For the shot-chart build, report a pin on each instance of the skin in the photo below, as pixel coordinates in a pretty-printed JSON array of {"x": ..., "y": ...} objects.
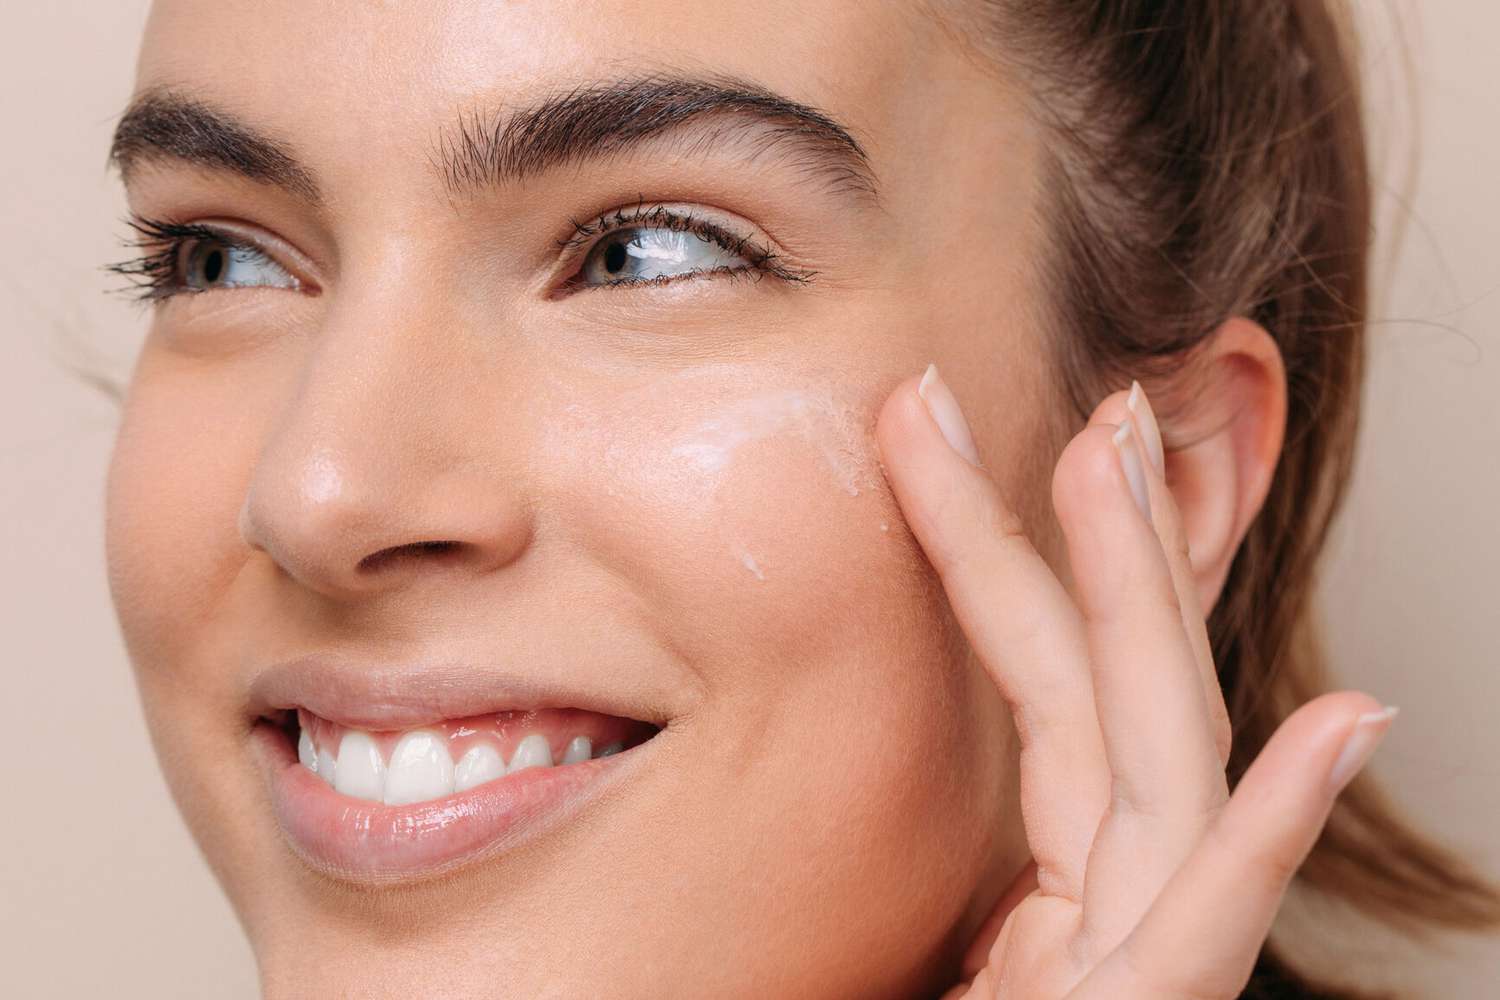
[{"x": 738, "y": 491}]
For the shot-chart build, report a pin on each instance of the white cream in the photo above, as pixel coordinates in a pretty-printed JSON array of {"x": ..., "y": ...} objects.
[
  {"x": 748, "y": 561},
  {"x": 711, "y": 444}
]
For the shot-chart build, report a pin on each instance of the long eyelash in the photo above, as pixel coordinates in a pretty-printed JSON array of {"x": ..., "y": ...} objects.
[
  {"x": 762, "y": 260},
  {"x": 153, "y": 275}
]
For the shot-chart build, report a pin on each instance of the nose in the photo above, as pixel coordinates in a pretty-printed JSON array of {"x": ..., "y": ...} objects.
[{"x": 392, "y": 461}]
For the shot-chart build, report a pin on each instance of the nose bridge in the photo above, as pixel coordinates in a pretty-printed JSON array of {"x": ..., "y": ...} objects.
[{"x": 383, "y": 466}]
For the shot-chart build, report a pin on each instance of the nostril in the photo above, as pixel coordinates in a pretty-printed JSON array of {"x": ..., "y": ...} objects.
[{"x": 379, "y": 560}]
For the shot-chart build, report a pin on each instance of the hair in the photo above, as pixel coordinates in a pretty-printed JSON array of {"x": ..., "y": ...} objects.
[{"x": 1206, "y": 161}]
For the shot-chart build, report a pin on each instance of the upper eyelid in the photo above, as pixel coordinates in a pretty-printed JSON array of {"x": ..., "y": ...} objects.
[
  {"x": 273, "y": 248},
  {"x": 657, "y": 216}
]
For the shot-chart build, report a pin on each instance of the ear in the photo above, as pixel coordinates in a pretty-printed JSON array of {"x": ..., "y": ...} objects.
[{"x": 1223, "y": 440}]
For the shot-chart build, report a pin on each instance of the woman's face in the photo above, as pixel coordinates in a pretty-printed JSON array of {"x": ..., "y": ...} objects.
[{"x": 417, "y": 451}]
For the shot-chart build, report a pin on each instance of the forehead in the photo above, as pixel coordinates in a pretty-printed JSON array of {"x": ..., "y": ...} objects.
[{"x": 379, "y": 72}]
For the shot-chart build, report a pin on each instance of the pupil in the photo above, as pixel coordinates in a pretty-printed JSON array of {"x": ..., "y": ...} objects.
[
  {"x": 213, "y": 266},
  {"x": 614, "y": 257}
]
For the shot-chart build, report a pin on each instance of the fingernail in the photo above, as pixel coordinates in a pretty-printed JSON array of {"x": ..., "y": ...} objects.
[
  {"x": 946, "y": 414},
  {"x": 1129, "y": 448},
  {"x": 1147, "y": 427},
  {"x": 1368, "y": 731}
]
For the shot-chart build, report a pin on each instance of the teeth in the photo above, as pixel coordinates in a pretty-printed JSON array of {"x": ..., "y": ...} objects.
[
  {"x": 533, "y": 751},
  {"x": 579, "y": 750},
  {"x": 420, "y": 769},
  {"x": 306, "y": 752},
  {"x": 361, "y": 772},
  {"x": 325, "y": 766},
  {"x": 481, "y": 764}
]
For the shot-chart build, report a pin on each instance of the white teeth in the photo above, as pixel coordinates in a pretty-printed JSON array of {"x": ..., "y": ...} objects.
[
  {"x": 361, "y": 771},
  {"x": 579, "y": 750},
  {"x": 325, "y": 766},
  {"x": 481, "y": 764},
  {"x": 533, "y": 751},
  {"x": 306, "y": 752},
  {"x": 420, "y": 769}
]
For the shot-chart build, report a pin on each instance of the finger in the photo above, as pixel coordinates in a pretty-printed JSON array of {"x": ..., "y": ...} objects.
[
  {"x": 1167, "y": 776},
  {"x": 1167, "y": 520},
  {"x": 1017, "y": 617},
  {"x": 1202, "y": 935},
  {"x": 1146, "y": 684},
  {"x": 978, "y": 955}
]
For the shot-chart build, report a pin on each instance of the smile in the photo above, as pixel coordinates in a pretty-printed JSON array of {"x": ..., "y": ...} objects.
[
  {"x": 373, "y": 788},
  {"x": 434, "y": 762}
]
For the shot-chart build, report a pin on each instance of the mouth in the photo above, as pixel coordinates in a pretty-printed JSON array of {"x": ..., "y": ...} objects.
[
  {"x": 380, "y": 804},
  {"x": 453, "y": 756}
]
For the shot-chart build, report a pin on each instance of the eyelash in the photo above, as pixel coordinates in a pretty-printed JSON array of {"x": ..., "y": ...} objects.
[
  {"x": 763, "y": 262},
  {"x": 153, "y": 275}
]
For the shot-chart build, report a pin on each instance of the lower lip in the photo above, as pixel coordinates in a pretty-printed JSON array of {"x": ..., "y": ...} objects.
[{"x": 357, "y": 840}]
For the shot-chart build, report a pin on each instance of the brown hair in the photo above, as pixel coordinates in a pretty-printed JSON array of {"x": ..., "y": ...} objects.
[{"x": 1209, "y": 161}]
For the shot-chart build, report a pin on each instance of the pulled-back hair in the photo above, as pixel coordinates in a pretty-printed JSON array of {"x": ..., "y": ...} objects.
[{"x": 1207, "y": 159}]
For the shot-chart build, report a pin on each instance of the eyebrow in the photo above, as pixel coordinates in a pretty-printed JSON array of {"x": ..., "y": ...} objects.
[
  {"x": 163, "y": 124},
  {"x": 603, "y": 119},
  {"x": 586, "y": 123}
]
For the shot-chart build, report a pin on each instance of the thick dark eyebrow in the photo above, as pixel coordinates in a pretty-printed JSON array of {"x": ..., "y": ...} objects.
[
  {"x": 162, "y": 124},
  {"x": 584, "y": 123},
  {"x": 603, "y": 119}
]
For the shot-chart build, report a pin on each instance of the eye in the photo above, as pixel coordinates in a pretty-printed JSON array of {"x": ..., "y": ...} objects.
[
  {"x": 654, "y": 253},
  {"x": 205, "y": 264},
  {"x": 178, "y": 257}
]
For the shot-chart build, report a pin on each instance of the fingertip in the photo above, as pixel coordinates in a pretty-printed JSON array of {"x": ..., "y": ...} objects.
[
  {"x": 902, "y": 418},
  {"x": 1330, "y": 715},
  {"x": 1113, "y": 409},
  {"x": 1088, "y": 475}
]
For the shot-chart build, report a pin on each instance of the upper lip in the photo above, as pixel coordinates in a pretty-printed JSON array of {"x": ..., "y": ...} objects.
[{"x": 391, "y": 695}]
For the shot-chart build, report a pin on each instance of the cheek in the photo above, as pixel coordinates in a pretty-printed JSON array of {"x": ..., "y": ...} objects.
[
  {"x": 842, "y": 726},
  {"x": 762, "y": 515},
  {"x": 177, "y": 476},
  {"x": 176, "y": 482}
]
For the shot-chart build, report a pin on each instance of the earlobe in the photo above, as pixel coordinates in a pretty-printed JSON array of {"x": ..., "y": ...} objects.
[{"x": 1224, "y": 438}]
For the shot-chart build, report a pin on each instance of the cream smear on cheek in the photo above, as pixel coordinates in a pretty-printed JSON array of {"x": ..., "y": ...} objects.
[
  {"x": 709, "y": 432},
  {"x": 816, "y": 419}
]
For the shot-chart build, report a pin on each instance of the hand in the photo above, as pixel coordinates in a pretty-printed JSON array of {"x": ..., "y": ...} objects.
[{"x": 1149, "y": 880}]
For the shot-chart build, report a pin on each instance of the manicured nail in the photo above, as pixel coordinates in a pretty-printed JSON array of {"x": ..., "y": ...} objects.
[
  {"x": 1147, "y": 427},
  {"x": 1368, "y": 731},
  {"x": 1128, "y": 445},
  {"x": 946, "y": 414}
]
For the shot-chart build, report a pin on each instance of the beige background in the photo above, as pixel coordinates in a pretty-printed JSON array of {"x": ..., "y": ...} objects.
[{"x": 101, "y": 891}]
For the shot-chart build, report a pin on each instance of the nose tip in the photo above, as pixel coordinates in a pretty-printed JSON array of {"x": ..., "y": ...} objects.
[{"x": 345, "y": 531}]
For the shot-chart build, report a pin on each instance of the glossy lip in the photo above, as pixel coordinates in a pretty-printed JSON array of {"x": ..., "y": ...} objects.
[
  {"x": 369, "y": 842},
  {"x": 360, "y": 841},
  {"x": 387, "y": 696}
]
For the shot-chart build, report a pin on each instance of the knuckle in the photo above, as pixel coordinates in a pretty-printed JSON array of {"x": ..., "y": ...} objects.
[
  {"x": 1268, "y": 866},
  {"x": 1223, "y": 730},
  {"x": 998, "y": 521},
  {"x": 1166, "y": 978},
  {"x": 1197, "y": 813}
]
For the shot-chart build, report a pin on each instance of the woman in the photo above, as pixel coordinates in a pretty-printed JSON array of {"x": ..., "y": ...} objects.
[{"x": 552, "y": 566}]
